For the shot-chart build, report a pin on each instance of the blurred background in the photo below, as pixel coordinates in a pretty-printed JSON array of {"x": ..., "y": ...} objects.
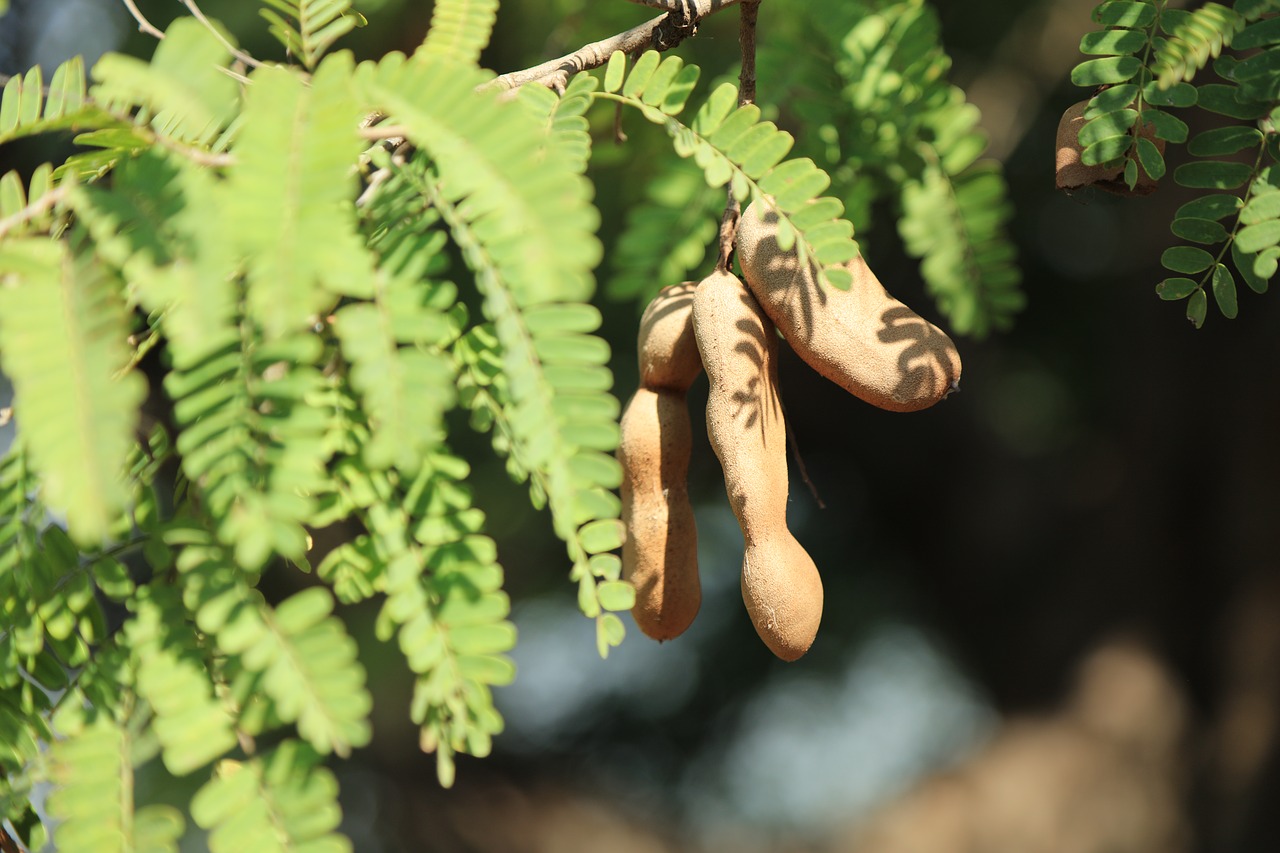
[{"x": 1052, "y": 616}]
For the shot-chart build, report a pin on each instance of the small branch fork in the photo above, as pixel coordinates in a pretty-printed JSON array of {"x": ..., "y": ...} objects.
[
  {"x": 664, "y": 32},
  {"x": 144, "y": 25},
  {"x": 150, "y": 29}
]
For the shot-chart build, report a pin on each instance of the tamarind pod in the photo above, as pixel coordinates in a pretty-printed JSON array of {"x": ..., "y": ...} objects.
[
  {"x": 780, "y": 584},
  {"x": 862, "y": 338},
  {"x": 668, "y": 353},
  {"x": 660, "y": 553},
  {"x": 1071, "y": 172}
]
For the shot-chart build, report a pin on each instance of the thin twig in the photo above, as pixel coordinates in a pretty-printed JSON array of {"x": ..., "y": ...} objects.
[
  {"x": 144, "y": 25},
  {"x": 37, "y": 208},
  {"x": 746, "y": 95},
  {"x": 661, "y": 33},
  {"x": 236, "y": 52},
  {"x": 796, "y": 455},
  {"x": 383, "y": 131}
]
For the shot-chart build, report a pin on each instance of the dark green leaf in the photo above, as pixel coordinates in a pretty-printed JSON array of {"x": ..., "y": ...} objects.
[
  {"x": 1221, "y": 98},
  {"x": 1125, "y": 13},
  {"x": 1166, "y": 126},
  {"x": 1205, "y": 231},
  {"x": 1173, "y": 289},
  {"x": 1224, "y": 140},
  {"x": 1107, "y": 126},
  {"x": 1186, "y": 259},
  {"x": 1113, "y": 69},
  {"x": 1263, "y": 64},
  {"x": 1257, "y": 34},
  {"x": 1111, "y": 99},
  {"x": 1197, "y": 307},
  {"x": 1152, "y": 160},
  {"x": 1213, "y": 206},
  {"x": 1177, "y": 95},
  {"x": 1113, "y": 42},
  {"x": 1224, "y": 292},
  {"x": 1212, "y": 174},
  {"x": 1106, "y": 150},
  {"x": 1131, "y": 173}
]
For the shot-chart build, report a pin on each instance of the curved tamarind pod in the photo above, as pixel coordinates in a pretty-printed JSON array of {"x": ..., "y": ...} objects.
[
  {"x": 780, "y": 584},
  {"x": 1071, "y": 172},
  {"x": 660, "y": 554},
  {"x": 862, "y": 338}
]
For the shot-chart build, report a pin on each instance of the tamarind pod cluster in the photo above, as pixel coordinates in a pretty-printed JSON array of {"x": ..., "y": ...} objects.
[
  {"x": 1072, "y": 173},
  {"x": 660, "y": 553},
  {"x": 862, "y": 338},
  {"x": 780, "y": 584}
]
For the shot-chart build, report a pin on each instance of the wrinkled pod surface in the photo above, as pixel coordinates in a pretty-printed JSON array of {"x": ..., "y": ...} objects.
[
  {"x": 660, "y": 553},
  {"x": 780, "y": 584},
  {"x": 862, "y": 339}
]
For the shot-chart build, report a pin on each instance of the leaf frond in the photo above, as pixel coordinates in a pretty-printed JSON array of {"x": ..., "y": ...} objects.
[
  {"x": 285, "y": 800},
  {"x": 62, "y": 341},
  {"x": 460, "y": 29}
]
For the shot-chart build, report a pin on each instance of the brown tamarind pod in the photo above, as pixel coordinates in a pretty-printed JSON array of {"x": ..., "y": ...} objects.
[
  {"x": 660, "y": 553},
  {"x": 780, "y": 584},
  {"x": 862, "y": 338},
  {"x": 1071, "y": 172},
  {"x": 668, "y": 353}
]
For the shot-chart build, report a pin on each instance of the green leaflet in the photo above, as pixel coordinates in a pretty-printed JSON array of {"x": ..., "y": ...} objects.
[
  {"x": 62, "y": 332},
  {"x": 308, "y": 28},
  {"x": 405, "y": 379},
  {"x": 94, "y": 796},
  {"x": 184, "y": 87},
  {"x": 253, "y": 441},
  {"x": 288, "y": 198},
  {"x": 25, "y": 109},
  {"x": 1194, "y": 38},
  {"x": 281, "y": 802},
  {"x": 172, "y": 677},
  {"x": 956, "y": 225},
  {"x": 460, "y": 29},
  {"x": 733, "y": 146},
  {"x": 305, "y": 657},
  {"x": 521, "y": 215},
  {"x": 1243, "y": 223},
  {"x": 28, "y": 207},
  {"x": 897, "y": 129}
]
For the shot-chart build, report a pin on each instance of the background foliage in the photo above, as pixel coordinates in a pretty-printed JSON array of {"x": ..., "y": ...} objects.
[{"x": 417, "y": 311}]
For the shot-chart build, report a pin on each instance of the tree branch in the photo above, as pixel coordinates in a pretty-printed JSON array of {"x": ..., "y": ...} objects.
[
  {"x": 144, "y": 25},
  {"x": 661, "y": 33},
  {"x": 35, "y": 209},
  {"x": 236, "y": 52},
  {"x": 696, "y": 9}
]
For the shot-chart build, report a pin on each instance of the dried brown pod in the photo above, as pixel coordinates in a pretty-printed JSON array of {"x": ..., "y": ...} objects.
[
  {"x": 660, "y": 554},
  {"x": 862, "y": 338},
  {"x": 780, "y": 584}
]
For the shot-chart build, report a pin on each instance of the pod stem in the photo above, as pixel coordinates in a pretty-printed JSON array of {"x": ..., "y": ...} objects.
[
  {"x": 746, "y": 95},
  {"x": 797, "y": 456}
]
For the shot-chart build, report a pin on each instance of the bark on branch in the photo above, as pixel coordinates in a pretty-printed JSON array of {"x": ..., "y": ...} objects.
[{"x": 660, "y": 33}]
